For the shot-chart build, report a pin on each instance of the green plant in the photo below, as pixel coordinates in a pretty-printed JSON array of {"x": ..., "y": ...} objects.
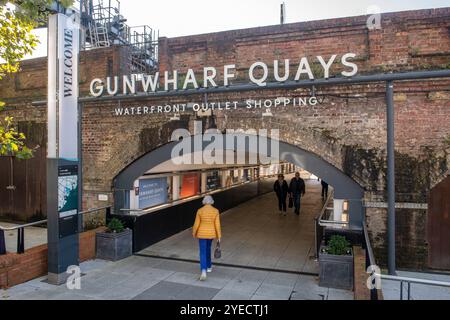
[
  {"x": 338, "y": 245},
  {"x": 115, "y": 226},
  {"x": 12, "y": 142}
]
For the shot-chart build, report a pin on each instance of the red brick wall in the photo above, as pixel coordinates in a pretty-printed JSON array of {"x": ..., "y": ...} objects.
[{"x": 87, "y": 244}]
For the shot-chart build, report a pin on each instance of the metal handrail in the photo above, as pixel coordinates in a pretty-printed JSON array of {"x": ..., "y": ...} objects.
[
  {"x": 30, "y": 224},
  {"x": 319, "y": 216},
  {"x": 409, "y": 281},
  {"x": 21, "y": 230},
  {"x": 328, "y": 222},
  {"x": 323, "y": 222},
  {"x": 370, "y": 255},
  {"x": 317, "y": 226},
  {"x": 414, "y": 280},
  {"x": 370, "y": 259}
]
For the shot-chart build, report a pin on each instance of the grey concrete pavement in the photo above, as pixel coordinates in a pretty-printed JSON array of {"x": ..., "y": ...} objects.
[
  {"x": 255, "y": 234},
  {"x": 144, "y": 278}
]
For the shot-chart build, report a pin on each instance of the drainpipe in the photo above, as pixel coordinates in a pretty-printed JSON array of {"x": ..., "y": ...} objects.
[{"x": 390, "y": 176}]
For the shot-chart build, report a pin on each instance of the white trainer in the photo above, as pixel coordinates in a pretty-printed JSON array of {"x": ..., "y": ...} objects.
[
  {"x": 209, "y": 270},
  {"x": 203, "y": 276}
]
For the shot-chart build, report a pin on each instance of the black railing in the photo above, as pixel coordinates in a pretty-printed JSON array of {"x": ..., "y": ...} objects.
[
  {"x": 21, "y": 229},
  {"x": 318, "y": 228},
  {"x": 410, "y": 281},
  {"x": 370, "y": 261}
]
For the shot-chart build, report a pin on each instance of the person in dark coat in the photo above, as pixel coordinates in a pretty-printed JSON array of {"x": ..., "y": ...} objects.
[
  {"x": 281, "y": 189},
  {"x": 296, "y": 191},
  {"x": 324, "y": 189}
]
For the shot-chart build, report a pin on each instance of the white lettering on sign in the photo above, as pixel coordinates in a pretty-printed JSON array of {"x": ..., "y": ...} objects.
[
  {"x": 258, "y": 73},
  {"x": 142, "y": 110}
]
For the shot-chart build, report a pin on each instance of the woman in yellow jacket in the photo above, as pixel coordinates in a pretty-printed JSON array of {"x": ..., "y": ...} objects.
[{"x": 205, "y": 229}]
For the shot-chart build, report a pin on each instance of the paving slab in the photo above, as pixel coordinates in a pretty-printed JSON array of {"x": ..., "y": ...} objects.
[
  {"x": 197, "y": 293},
  {"x": 228, "y": 294},
  {"x": 274, "y": 291}
]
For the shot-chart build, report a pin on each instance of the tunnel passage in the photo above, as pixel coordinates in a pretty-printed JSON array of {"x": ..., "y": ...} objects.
[{"x": 156, "y": 226}]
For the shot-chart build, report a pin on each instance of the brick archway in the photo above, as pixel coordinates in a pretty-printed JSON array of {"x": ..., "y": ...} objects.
[{"x": 345, "y": 187}]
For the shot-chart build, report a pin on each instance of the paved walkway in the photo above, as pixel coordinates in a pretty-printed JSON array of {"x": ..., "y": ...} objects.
[
  {"x": 255, "y": 234},
  {"x": 144, "y": 278}
]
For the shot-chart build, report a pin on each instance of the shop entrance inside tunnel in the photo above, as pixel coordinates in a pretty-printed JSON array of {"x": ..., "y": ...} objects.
[{"x": 159, "y": 199}]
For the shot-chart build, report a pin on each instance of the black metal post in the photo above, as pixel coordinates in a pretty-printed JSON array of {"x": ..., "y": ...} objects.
[
  {"x": 2, "y": 242},
  {"x": 20, "y": 240},
  {"x": 401, "y": 290},
  {"x": 390, "y": 176},
  {"x": 108, "y": 216},
  {"x": 409, "y": 290}
]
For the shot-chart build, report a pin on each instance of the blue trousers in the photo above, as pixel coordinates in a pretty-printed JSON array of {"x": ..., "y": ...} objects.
[
  {"x": 205, "y": 253},
  {"x": 297, "y": 203}
]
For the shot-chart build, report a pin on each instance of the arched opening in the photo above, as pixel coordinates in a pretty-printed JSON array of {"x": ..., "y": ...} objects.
[
  {"x": 345, "y": 187},
  {"x": 152, "y": 227}
]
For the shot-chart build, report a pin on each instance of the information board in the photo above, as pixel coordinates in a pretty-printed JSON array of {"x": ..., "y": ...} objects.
[{"x": 152, "y": 192}]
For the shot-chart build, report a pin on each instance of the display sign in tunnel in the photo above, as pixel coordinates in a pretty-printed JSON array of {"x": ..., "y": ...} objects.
[{"x": 152, "y": 192}]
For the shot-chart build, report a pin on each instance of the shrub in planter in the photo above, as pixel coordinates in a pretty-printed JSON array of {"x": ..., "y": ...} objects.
[
  {"x": 115, "y": 226},
  {"x": 114, "y": 244},
  {"x": 336, "y": 264}
]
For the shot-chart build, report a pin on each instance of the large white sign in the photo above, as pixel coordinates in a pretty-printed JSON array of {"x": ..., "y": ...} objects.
[
  {"x": 68, "y": 49},
  {"x": 63, "y": 87}
]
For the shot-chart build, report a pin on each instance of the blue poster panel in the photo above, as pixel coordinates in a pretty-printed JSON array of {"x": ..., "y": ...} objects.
[
  {"x": 67, "y": 190},
  {"x": 152, "y": 192}
]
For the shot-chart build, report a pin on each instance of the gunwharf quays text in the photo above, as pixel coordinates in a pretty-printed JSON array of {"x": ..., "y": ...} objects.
[{"x": 258, "y": 73}]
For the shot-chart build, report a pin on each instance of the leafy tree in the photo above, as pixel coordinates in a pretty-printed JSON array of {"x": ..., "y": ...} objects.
[
  {"x": 17, "y": 19},
  {"x": 12, "y": 142}
]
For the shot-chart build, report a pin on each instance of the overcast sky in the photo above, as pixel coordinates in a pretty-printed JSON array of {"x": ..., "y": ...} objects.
[{"x": 186, "y": 17}]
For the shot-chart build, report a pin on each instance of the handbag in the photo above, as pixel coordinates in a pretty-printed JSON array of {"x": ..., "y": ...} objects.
[
  {"x": 217, "y": 251},
  {"x": 291, "y": 202}
]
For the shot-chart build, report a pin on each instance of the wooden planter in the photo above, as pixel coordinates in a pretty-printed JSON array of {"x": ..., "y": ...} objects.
[
  {"x": 335, "y": 271},
  {"x": 114, "y": 246}
]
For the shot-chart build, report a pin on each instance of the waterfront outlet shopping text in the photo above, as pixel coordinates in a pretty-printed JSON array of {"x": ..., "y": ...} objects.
[{"x": 220, "y": 106}]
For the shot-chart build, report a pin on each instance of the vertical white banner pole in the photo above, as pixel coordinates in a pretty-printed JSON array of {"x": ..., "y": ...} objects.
[{"x": 62, "y": 153}]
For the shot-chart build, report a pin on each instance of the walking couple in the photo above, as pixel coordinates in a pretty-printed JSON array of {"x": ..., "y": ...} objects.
[{"x": 295, "y": 190}]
